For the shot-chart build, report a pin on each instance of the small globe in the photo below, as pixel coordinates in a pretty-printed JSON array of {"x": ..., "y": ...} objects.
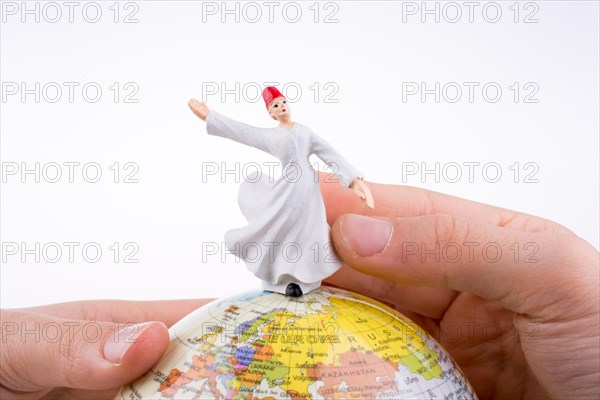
[{"x": 327, "y": 344}]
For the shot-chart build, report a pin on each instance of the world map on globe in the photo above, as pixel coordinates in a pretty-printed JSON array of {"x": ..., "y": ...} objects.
[{"x": 326, "y": 344}]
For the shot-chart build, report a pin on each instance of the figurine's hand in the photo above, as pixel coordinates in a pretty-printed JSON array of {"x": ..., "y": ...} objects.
[
  {"x": 514, "y": 298},
  {"x": 83, "y": 350},
  {"x": 199, "y": 108},
  {"x": 360, "y": 188}
]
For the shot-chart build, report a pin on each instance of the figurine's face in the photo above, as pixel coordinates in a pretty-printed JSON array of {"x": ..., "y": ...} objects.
[{"x": 279, "y": 109}]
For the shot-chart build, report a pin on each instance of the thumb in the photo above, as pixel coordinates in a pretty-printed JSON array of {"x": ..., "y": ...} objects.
[
  {"x": 443, "y": 251},
  {"x": 40, "y": 352}
]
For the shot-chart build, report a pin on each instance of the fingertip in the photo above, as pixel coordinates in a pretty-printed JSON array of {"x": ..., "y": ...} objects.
[
  {"x": 338, "y": 239},
  {"x": 143, "y": 345},
  {"x": 364, "y": 236},
  {"x": 148, "y": 346}
]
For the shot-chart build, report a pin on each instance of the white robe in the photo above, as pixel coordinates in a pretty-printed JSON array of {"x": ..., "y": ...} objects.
[{"x": 287, "y": 238}]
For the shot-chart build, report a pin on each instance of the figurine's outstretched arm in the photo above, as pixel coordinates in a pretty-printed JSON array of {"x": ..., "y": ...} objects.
[
  {"x": 220, "y": 125},
  {"x": 199, "y": 108}
]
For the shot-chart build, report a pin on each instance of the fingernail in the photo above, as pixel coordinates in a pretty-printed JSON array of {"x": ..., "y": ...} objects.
[
  {"x": 121, "y": 341},
  {"x": 364, "y": 235}
]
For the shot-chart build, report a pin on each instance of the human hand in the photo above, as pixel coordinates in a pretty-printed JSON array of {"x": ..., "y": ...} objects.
[
  {"x": 360, "y": 189},
  {"x": 83, "y": 350},
  {"x": 199, "y": 108},
  {"x": 520, "y": 318}
]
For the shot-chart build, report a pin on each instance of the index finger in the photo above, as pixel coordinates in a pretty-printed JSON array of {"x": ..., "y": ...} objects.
[
  {"x": 122, "y": 311},
  {"x": 408, "y": 201}
]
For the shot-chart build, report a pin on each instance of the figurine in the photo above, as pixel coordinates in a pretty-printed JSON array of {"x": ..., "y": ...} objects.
[{"x": 287, "y": 240}]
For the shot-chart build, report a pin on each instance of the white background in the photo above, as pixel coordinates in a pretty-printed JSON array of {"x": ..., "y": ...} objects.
[{"x": 174, "y": 50}]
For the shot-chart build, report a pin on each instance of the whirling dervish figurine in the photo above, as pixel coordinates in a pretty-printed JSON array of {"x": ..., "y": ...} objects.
[{"x": 287, "y": 240}]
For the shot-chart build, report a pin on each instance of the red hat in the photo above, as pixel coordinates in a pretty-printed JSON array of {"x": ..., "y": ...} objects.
[{"x": 271, "y": 93}]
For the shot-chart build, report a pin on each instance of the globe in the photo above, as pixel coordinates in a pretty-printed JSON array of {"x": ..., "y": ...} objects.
[{"x": 326, "y": 344}]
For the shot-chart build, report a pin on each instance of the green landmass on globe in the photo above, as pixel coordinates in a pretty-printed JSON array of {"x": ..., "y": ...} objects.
[{"x": 326, "y": 344}]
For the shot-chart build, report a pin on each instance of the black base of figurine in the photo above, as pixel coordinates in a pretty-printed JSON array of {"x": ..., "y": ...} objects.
[{"x": 293, "y": 290}]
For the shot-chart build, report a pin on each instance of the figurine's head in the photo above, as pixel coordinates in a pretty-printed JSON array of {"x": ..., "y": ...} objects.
[{"x": 277, "y": 105}]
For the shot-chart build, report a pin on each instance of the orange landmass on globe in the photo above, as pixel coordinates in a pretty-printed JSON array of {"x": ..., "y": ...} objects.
[
  {"x": 355, "y": 376},
  {"x": 199, "y": 370},
  {"x": 263, "y": 352},
  {"x": 173, "y": 382}
]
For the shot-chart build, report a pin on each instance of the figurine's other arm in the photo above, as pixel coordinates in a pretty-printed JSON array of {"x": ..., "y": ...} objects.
[{"x": 346, "y": 173}]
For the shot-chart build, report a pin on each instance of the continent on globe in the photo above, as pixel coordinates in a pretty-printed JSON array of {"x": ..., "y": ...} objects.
[{"x": 326, "y": 344}]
